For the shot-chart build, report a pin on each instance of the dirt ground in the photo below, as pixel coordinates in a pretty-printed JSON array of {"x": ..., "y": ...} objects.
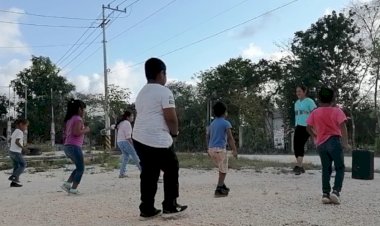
[{"x": 270, "y": 197}]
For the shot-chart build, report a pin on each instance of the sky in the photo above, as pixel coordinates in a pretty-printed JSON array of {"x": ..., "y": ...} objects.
[{"x": 190, "y": 36}]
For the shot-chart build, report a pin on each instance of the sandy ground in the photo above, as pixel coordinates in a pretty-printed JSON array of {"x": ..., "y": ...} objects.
[
  {"x": 256, "y": 198},
  {"x": 313, "y": 159}
]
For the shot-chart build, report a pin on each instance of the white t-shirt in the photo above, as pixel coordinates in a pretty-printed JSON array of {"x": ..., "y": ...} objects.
[
  {"x": 124, "y": 131},
  {"x": 17, "y": 134},
  {"x": 150, "y": 126}
]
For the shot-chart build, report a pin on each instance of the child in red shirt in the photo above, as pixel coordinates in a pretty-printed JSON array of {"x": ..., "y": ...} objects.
[{"x": 327, "y": 126}]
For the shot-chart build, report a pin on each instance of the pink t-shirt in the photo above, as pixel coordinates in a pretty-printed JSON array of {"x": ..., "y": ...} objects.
[
  {"x": 70, "y": 138},
  {"x": 326, "y": 122}
]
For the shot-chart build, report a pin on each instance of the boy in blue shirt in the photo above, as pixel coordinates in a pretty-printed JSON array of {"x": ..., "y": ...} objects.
[{"x": 219, "y": 132}]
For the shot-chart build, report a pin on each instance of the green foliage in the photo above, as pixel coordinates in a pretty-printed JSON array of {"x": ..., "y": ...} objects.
[
  {"x": 45, "y": 87},
  {"x": 3, "y": 105}
]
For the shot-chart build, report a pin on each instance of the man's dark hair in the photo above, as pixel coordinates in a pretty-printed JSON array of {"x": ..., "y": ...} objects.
[
  {"x": 21, "y": 121},
  {"x": 219, "y": 109},
  {"x": 326, "y": 95},
  {"x": 153, "y": 67}
]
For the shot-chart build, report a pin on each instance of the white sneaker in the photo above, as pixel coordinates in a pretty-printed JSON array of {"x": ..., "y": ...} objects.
[
  {"x": 335, "y": 197},
  {"x": 74, "y": 191},
  {"x": 66, "y": 186}
]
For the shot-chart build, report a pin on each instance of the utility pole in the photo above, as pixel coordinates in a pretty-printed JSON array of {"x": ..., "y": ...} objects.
[
  {"x": 26, "y": 115},
  {"x": 9, "y": 126},
  {"x": 52, "y": 130},
  {"x": 106, "y": 104}
]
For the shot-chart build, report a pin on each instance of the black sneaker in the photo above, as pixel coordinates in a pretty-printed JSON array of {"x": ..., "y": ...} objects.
[
  {"x": 295, "y": 169},
  {"x": 302, "y": 170},
  {"x": 175, "y": 211},
  {"x": 298, "y": 170},
  {"x": 15, "y": 185},
  {"x": 326, "y": 198},
  {"x": 335, "y": 197},
  {"x": 13, "y": 179},
  {"x": 221, "y": 192},
  {"x": 150, "y": 215},
  {"x": 225, "y": 187}
]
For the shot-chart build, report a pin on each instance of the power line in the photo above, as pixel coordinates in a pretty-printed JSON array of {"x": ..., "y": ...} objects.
[
  {"x": 69, "y": 51},
  {"x": 44, "y": 25},
  {"x": 223, "y": 31},
  {"x": 143, "y": 20},
  {"x": 41, "y": 46},
  {"x": 92, "y": 42},
  {"x": 193, "y": 26},
  {"x": 84, "y": 60},
  {"x": 45, "y": 16},
  {"x": 89, "y": 56}
]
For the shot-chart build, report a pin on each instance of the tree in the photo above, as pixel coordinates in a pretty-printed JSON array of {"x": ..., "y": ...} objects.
[
  {"x": 191, "y": 112},
  {"x": 240, "y": 84},
  {"x": 45, "y": 88},
  {"x": 3, "y": 106},
  {"x": 329, "y": 53},
  {"x": 118, "y": 102}
]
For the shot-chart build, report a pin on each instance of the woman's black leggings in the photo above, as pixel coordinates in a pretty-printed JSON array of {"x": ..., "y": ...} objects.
[{"x": 300, "y": 138}]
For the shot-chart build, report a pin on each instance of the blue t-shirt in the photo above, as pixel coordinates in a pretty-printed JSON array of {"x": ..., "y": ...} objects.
[
  {"x": 218, "y": 133},
  {"x": 302, "y": 110}
]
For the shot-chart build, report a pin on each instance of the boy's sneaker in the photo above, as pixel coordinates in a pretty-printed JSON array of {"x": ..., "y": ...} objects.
[
  {"x": 147, "y": 216},
  {"x": 74, "y": 191},
  {"x": 302, "y": 170},
  {"x": 174, "y": 211},
  {"x": 335, "y": 197},
  {"x": 15, "y": 185},
  {"x": 326, "y": 198},
  {"x": 221, "y": 192},
  {"x": 66, "y": 186},
  {"x": 13, "y": 179},
  {"x": 123, "y": 176},
  {"x": 295, "y": 168}
]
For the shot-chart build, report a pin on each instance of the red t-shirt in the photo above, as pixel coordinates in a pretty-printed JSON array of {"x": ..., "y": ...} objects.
[{"x": 326, "y": 121}]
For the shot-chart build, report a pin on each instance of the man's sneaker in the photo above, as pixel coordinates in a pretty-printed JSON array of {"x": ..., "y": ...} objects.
[
  {"x": 295, "y": 169},
  {"x": 15, "y": 185},
  {"x": 326, "y": 198},
  {"x": 175, "y": 211},
  {"x": 225, "y": 187},
  {"x": 302, "y": 170},
  {"x": 221, "y": 192},
  {"x": 13, "y": 179},
  {"x": 335, "y": 197},
  {"x": 147, "y": 216},
  {"x": 298, "y": 170},
  {"x": 74, "y": 191},
  {"x": 123, "y": 176},
  {"x": 66, "y": 186}
]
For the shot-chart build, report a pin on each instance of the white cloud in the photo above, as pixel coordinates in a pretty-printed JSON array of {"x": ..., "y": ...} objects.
[
  {"x": 252, "y": 51},
  {"x": 276, "y": 56},
  {"x": 11, "y": 34},
  {"x": 328, "y": 11},
  {"x": 8, "y": 72},
  {"x": 121, "y": 74}
]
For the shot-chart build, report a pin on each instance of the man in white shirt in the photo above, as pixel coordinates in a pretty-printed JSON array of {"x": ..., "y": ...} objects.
[{"x": 155, "y": 126}]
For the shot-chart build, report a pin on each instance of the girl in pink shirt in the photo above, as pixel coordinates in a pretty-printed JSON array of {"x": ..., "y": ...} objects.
[
  {"x": 327, "y": 126},
  {"x": 74, "y": 131}
]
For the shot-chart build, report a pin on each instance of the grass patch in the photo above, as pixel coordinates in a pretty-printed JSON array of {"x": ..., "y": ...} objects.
[{"x": 202, "y": 161}]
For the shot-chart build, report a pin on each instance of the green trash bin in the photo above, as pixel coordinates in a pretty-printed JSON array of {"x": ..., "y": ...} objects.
[{"x": 363, "y": 164}]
